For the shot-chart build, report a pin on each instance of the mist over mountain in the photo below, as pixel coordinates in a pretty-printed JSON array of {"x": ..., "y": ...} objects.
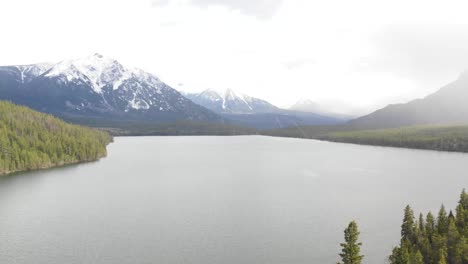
[
  {"x": 306, "y": 105},
  {"x": 446, "y": 106},
  {"x": 257, "y": 113},
  {"x": 309, "y": 106},
  {"x": 99, "y": 91},
  {"x": 97, "y": 87}
]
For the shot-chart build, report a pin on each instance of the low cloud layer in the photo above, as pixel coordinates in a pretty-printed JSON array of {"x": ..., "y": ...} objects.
[
  {"x": 258, "y": 8},
  {"x": 423, "y": 52}
]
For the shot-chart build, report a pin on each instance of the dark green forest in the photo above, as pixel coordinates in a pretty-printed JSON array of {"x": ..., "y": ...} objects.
[
  {"x": 128, "y": 127},
  {"x": 434, "y": 239},
  {"x": 31, "y": 140},
  {"x": 180, "y": 128},
  {"x": 444, "y": 138},
  {"x": 432, "y": 137}
]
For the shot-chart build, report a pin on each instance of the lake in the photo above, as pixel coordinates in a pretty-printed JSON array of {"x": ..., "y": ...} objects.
[{"x": 229, "y": 200}]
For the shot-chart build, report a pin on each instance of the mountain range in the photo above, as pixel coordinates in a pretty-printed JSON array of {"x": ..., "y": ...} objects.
[
  {"x": 309, "y": 106},
  {"x": 99, "y": 91},
  {"x": 306, "y": 105},
  {"x": 97, "y": 87},
  {"x": 230, "y": 102},
  {"x": 253, "y": 112}
]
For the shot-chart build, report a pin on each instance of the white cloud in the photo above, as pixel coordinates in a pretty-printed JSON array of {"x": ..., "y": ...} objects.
[
  {"x": 422, "y": 51},
  {"x": 359, "y": 54},
  {"x": 259, "y": 8}
]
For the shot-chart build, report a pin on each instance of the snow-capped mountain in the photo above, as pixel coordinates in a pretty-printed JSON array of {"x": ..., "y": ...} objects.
[
  {"x": 21, "y": 74},
  {"x": 97, "y": 86},
  {"x": 306, "y": 105},
  {"x": 230, "y": 102},
  {"x": 252, "y": 112},
  {"x": 309, "y": 106},
  {"x": 100, "y": 91},
  {"x": 29, "y": 72}
]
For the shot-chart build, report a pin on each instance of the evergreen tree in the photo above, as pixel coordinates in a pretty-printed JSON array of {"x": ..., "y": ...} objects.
[
  {"x": 405, "y": 255},
  {"x": 453, "y": 246},
  {"x": 422, "y": 225},
  {"x": 460, "y": 216},
  {"x": 408, "y": 226},
  {"x": 417, "y": 258},
  {"x": 442, "y": 256},
  {"x": 351, "y": 248},
  {"x": 462, "y": 213},
  {"x": 430, "y": 225},
  {"x": 451, "y": 216},
  {"x": 442, "y": 221},
  {"x": 464, "y": 199},
  {"x": 397, "y": 256}
]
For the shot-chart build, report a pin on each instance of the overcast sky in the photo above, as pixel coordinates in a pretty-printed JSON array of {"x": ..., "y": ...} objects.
[{"x": 348, "y": 55}]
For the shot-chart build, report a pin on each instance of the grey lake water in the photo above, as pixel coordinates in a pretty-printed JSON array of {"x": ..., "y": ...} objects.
[{"x": 221, "y": 200}]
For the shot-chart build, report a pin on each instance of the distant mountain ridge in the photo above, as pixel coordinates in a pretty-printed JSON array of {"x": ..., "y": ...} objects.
[
  {"x": 305, "y": 105},
  {"x": 309, "y": 106},
  {"x": 99, "y": 91},
  {"x": 98, "y": 87},
  {"x": 256, "y": 113},
  {"x": 449, "y": 105},
  {"x": 230, "y": 102}
]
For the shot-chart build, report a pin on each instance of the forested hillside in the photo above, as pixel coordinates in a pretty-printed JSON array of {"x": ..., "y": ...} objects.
[
  {"x": 441, "y": 239},
  {"x": 31, "y": 140},
  {"x": 444, "y": 138},
  {"x": 181, "y": 128}
]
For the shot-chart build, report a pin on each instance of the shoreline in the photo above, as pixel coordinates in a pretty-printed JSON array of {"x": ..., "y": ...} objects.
[{"x": 51, "y": 166}]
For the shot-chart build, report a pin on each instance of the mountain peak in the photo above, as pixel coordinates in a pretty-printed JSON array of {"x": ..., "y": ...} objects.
[
  {"x": 98, "y": 55},
  {"x": 29, "y": 72},
  {"x": 303, "y": 101},
  {"x": 446, "y": 106},
  {"x": 463, "y": 75},
  {"x": 210, "y": 94},
  {"x": 229, "y": 91},
  {"x": 96, "y": 69},
  {"x": 306, "y": 105},
  {"x": 100, "y": 86},
  {"x": 230, "y": 102},
  {"x": 230, "y": 94}
]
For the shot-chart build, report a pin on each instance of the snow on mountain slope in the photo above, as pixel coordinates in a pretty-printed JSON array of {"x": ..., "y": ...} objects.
[
  {"x": 29, "y": 72},
  {"x": 25, "y": 73},
  {"x": 252, "y": 112},
  {"x": 309, "y": 106},
  {"x": 230, "y": 102},
  {"x": 305, "y": 105},
  {"x": 99, "y": 71},
  {"x": 97, "y": 85}
]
